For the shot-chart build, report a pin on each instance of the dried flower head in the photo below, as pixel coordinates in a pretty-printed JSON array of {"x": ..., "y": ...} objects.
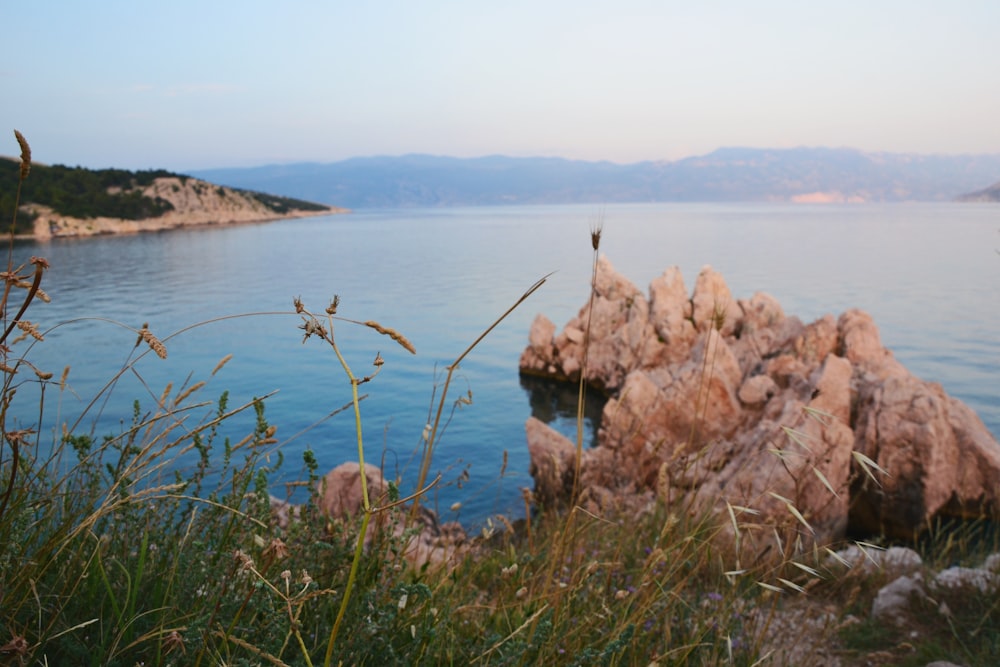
[
  {"x": 25, "y": 154},
  {"x": 29, "y": 329},
  {"x": 718, "y": 316},
  {"x": 595, "y": 235},
  {"x": 332, "y": 308},
  {"x": 242, "y": 560},
  {"x": 17, "y": 645},
  {"x": 174, "y": 642},
  {"x": 299, "y": 308},
  {"x": 312, "y": 326},
  {"x": 276, "y": 550},
  {"x": 154, "y": 343},
  {"x": 393, "y": 334}
]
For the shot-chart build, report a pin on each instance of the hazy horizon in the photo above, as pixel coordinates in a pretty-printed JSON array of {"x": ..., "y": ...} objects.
[{"x": 188, "y": 86}]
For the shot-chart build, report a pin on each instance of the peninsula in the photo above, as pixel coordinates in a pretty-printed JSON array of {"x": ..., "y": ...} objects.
[{"x": 62, "y": 201}]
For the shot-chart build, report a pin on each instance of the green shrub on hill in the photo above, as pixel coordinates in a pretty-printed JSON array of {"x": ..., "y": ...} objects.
[{"x": 84, "y": 193}]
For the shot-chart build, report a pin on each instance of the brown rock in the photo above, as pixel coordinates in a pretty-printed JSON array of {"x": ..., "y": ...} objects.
[
  {"x": 340, "y": 494},
  {"x": 762, "y": 412},
  {"x": 340, "y": 497},
  {"x": 937, "y": 455},
  {"x": 670, "y": 313},
  {"x": 713, "y": 304},
  {"x": 553, "y": 462}
]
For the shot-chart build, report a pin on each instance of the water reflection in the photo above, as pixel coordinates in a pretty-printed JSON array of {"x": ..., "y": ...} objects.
[{"x": 555, "y": 404}]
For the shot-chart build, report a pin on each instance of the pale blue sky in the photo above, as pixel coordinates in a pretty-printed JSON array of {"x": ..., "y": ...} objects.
[{"x": 190, "y": 84}]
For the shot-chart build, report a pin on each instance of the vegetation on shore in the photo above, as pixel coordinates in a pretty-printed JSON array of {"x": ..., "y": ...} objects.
[
  {"x": 76, "y": 192},
  {"x": 155, "y": 545}
]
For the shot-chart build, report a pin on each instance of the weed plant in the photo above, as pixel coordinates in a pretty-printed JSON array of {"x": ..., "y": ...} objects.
[{"x": 157, "y": 545}]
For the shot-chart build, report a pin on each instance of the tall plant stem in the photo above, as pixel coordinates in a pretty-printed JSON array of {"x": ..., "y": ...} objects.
[{"x": 425, "y": 462}]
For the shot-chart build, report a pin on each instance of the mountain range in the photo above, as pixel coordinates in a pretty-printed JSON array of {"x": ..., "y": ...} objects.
[{"x": 822, "y": 175}]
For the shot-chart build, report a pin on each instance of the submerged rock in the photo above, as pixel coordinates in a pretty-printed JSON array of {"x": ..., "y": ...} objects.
[{"x": 731, "y": 405}]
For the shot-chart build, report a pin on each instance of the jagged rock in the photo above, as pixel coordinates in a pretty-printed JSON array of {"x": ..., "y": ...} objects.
[
  {"x": 553, "y": 461},
  {"x": 670, "y": 313},
  {"x": 712, "y": 304},
  {"x": 938, "y": 457},
  {"x": 712, "y": 401},
  {"x": 621, "y": 334}
]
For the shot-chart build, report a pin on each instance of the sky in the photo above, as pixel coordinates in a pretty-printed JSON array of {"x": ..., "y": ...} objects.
[{"x": 193, "y": 84}]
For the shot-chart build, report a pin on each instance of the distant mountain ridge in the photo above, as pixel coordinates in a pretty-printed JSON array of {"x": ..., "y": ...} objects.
[
  {"x": 727, "y": 174},
  {"x": 990, "y": 194}
]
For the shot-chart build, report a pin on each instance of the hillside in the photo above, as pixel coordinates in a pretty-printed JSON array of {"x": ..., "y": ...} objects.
[
  {"x": 819, "y": 175},
  {"x": 990, "y": 194},
  {"x": 62, "y": 201}
]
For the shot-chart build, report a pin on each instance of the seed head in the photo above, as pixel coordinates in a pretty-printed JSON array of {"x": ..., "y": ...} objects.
[
  {"x": 276, "y": 550},
  {"x": 25, "y": 154},
  {"x": 173, "y": 642},
  {"x": 393, "y": 334},
  {"x": 154, "y": 343},
  {"x": 332, "y": 308},
  {"x": 595, "y": 235}
]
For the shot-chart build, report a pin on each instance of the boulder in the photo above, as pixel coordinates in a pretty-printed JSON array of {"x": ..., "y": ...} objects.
[
  {"x": 427, "y": 542},
  {"x": 811, "y": 429},
  {"x": 340, "y": 495}
]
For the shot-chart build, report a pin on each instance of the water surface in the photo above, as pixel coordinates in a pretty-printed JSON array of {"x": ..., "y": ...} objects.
[{"x": 928, "y": 273}]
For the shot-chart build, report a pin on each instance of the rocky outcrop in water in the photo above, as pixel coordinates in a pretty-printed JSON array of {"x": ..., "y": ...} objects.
[{"x": 730, "y": 404}]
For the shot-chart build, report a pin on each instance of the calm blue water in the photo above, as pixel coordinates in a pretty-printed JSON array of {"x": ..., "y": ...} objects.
[{"x": 928, "y": 273}]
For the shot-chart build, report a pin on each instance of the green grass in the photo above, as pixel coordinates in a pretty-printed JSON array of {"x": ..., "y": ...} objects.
[{"x": 155, "y": 545}]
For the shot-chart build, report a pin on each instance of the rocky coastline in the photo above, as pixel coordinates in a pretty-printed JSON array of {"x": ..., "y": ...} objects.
[
  {"x": 809, "y": 431},
  {"x": 196, "y": 203}
]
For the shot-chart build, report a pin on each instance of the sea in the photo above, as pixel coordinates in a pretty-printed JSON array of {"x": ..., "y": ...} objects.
[{"x": 929, "y": 274}]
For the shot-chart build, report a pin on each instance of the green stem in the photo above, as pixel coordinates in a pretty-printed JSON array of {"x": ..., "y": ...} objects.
[{"x": 358, "y": 550}]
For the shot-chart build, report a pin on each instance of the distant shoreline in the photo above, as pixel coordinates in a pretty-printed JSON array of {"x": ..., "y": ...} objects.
[{"x": 49, "y": 226}]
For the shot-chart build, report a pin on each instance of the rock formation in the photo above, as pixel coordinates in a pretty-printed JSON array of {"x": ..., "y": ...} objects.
[
  {"x": 340, "y": 498},
  {"x": 731, "y": 405}
]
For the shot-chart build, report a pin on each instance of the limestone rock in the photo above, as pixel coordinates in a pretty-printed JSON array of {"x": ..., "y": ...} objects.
[
  {"x": 340, "y": 494},
  {"x": 553, "y": 460},
  {"x": 893, "y": 601},
  {"x": 713, "y": 305},
  {"x": 815, "y": 427},
  {"x": 427, "y": 542}
]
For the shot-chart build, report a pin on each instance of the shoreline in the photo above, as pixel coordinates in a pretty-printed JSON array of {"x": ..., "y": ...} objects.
[{"x": 49, "y": 226}]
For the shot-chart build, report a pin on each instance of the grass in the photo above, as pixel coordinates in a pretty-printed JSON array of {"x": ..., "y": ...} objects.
[{"x": 156, "y": 545}]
